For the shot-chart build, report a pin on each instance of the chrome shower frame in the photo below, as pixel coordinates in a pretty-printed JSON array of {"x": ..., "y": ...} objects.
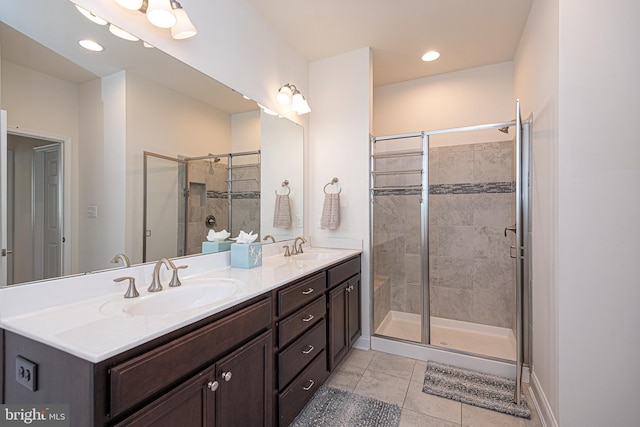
[{"x": 523, "y": 221}]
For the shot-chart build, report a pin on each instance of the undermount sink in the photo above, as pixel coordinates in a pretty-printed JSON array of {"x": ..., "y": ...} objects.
[
  {"x": 193, "y": 293},
  {"x": 313, "y": 255}
]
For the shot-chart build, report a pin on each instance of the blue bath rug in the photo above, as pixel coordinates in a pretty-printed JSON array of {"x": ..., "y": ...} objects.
[
  {"x": 474, "y": 388},
  {"x": 338, "y": 408}
]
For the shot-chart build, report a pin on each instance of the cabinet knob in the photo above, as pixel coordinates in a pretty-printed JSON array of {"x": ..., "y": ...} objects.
[
  {"x": 307, "y": 388},
  {"x": 308, "y": 291},
  {"x": 308, "y": 350},
  {"x": 212, "y": 385},
  {"x": 309, "y": 318},
  {"x": 226, "y": 376}
]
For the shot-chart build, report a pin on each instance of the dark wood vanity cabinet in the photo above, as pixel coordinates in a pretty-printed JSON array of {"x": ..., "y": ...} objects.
[
  {"x": 255, "y": 364},
  {"x": 300, "y": 349},
  {"x": 217, "y": 371},
  {"x": 315, "y": 337},
  {"x": 235, "y": 391},
  {"x": 344, "y": 310}
]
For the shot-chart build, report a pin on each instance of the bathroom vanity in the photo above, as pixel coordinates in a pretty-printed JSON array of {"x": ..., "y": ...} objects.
[{"x": 254, "y": 359}]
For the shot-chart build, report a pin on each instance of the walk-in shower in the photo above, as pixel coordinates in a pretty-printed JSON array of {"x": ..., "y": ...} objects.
[{"x": 449, "y": 222}]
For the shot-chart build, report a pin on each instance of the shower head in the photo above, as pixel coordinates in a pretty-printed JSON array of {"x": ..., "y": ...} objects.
[
  {"x": 504, "y": 129},
  {"x": 216, "y": 159}
]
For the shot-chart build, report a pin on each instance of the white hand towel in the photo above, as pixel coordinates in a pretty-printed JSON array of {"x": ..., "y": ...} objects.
[
  {"x": 330, "y": 212},
  {"x": 282, "y": 212}
]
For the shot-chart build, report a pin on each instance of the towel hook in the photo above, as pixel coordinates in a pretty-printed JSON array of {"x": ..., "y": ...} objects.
[
  {"x": 333, "y": 182},
  {"x": 285, "y": 183}
]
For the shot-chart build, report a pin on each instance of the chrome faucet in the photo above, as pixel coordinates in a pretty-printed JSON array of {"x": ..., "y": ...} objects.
[
  {"x": 132, "y": 292},
  {"x": 156, "y": 286},
  {"x": 123, "y": 258},
  {"x": 269, "y": 236},
  {"x": 298, "y": 249},
  {"x": 175, "y": 280}
]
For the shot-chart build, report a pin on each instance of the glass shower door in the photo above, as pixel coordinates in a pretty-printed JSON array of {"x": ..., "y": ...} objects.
[{"x": 397, "y": 210}]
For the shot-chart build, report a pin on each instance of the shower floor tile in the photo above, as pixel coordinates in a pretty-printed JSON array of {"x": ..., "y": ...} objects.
[{"x": 473, "y": 338}]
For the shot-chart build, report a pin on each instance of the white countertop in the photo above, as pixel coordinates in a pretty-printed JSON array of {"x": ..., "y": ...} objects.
[{"x": 88, "y": 321}]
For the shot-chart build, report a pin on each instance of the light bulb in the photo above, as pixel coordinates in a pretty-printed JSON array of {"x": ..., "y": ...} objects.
[
  {"x": 297, "y": 101},
  {"x": 160, "y": 14},
  {"x": 284, "y": 95},
  {"x": 183, "y": 29},
  {"x": 130, "y": 4}
]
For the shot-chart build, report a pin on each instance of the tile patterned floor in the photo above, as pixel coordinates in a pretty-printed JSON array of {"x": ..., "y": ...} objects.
[{"x": 398, "y": 380}]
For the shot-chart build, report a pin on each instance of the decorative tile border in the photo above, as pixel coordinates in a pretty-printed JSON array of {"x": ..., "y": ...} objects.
[
  {"x": 212, "y": 194},
  {"x": 440, "y": 189},
  {"x": 467, "y": 188}
]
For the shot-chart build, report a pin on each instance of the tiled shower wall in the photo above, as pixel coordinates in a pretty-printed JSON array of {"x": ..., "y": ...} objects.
[
  {"x": 208, "y": 195},
  {"x": 470, "y": 204}
]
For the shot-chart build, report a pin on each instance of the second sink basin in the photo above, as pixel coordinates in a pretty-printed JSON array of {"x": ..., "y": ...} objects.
[
  {"x": 315, "y": 254},
  {"x": 197, "y": 293}
]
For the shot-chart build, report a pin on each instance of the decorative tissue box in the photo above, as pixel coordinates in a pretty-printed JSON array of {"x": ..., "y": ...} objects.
[
  {"x": 246, "y": 255},
  {"x": 211, "y": 247}
]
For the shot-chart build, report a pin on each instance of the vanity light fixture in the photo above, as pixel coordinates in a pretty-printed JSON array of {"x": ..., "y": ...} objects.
[
  {"x": 289, "y": 94},
  {"x": 164, "y": 14}
]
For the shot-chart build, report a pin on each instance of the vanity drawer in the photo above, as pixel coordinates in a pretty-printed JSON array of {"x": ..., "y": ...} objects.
[
  {"x": 137, "y": 379},
  {"x": 342, "y": 272},
  {"x": 294, "y": 397},
  {"x": 300, "y": 353},
  {"x": 300, "y": 321},
  {"x": 296, "y": 296}
]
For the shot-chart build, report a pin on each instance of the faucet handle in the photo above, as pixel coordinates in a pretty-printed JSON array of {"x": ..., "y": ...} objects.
[
  {"x": 175, "y": 280},
  {"x": 286, "y": 251},
  {"x": 132, "y": 292}
]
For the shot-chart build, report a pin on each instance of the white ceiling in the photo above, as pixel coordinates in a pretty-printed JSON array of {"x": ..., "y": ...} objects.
[{"x": 467, "y": 33}]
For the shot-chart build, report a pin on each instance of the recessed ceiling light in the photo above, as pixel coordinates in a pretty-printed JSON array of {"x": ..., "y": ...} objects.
[
  {"x": 432, "y": 55},
  {"x": 91, "y": 45},
  {"x": 119, "y": 32}
]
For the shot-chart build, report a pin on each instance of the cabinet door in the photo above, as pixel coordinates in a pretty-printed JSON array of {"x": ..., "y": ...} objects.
[
  {"x": 244, "y": 397},
  {"x": 354, "y": 309},
  {"x": 339, "y": 340},
  {"x": 191, "y": 404}
]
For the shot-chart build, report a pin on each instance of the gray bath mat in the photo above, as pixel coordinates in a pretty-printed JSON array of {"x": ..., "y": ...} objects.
[
  {"x": 332, "y": 407},
  {"x": 474, "y": 388}
]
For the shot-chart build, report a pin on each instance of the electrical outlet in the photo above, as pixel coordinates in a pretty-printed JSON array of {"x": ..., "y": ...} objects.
[{"x": 27, "y": 373}]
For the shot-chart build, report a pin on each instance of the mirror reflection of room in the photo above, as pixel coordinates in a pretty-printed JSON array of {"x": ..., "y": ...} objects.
[{"x": 104, "y": 113}]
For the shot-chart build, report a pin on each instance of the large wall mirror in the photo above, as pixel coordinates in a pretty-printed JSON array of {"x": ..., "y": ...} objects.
[{"x": 92, "y": 135}]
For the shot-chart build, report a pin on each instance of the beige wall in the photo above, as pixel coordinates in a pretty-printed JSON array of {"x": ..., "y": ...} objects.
[
  {"x": 168, "y": 123},
  {"x": 469, "y": 97}
]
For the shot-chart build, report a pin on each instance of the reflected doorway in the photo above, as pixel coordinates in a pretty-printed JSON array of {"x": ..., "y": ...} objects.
[{"x": 34, "y": 208}]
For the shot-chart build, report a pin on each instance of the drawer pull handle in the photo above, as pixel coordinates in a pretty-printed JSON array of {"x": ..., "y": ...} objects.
[
  {"x": 309, "y": 318},
  {"x": 213, "y": 385},
  {"x": 307, "y": 292},
  {"x": 308, "y": 350},
  {"x": 307, "y": 388},
  {"x": 226, "y": 376}
]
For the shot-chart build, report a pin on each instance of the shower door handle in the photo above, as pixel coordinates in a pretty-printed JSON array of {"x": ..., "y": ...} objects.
[{"x": 512, "y": 228}]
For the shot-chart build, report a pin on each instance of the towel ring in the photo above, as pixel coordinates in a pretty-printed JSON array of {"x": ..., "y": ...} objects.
[
  {"x": 285, "y": 183},
  {"x": 333, "y": 181}
]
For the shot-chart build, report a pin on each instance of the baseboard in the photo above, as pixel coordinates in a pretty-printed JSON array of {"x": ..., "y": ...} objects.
[
  {"x": 363, "y": 343},
  {"x": 541, "y": 403}
]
